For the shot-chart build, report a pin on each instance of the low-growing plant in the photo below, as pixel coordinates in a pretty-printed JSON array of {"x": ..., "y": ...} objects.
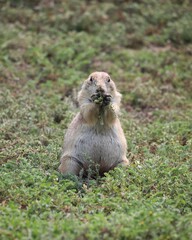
[{"x": 47, "y": 50}]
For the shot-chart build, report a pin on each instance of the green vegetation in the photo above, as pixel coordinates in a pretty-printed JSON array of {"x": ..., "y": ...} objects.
[{"x": 47, "y": 48}]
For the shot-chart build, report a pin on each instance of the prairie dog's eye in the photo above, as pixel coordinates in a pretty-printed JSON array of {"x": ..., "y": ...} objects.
[
  {"x": 108, "y": 79},
  {"x": 91, "y": 79}
]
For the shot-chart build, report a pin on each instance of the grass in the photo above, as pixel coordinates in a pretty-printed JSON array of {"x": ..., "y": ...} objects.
[{"x": 47, "y": 49}]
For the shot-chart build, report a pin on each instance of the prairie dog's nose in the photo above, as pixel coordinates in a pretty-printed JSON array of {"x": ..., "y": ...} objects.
[{"x": 100, "y": 89}]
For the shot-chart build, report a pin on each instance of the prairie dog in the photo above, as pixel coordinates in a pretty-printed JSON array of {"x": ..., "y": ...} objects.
[{"x": 95, "y": 138}]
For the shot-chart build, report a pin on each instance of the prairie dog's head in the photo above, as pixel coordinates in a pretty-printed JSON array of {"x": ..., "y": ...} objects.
[{"x": 99, "y": 82}]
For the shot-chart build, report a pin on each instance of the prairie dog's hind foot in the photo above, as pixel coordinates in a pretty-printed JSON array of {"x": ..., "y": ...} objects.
[
  {"x": 70, "y": 165},
  {"x": 125, "y": 162}
]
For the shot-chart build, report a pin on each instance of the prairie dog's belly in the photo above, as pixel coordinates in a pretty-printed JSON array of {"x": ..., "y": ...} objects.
[{"x": 101, "y": 146}]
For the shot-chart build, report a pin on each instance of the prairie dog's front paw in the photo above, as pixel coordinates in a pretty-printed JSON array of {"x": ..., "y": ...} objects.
[
  {"x": 97, "y": 98},
  {"x": 107, "y": 100}
]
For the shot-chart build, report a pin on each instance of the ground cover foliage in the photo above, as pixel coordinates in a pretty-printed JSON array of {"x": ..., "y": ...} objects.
[{"x": 47, "y": 48}]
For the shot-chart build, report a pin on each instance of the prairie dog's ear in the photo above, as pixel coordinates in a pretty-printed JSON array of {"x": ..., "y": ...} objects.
[
  {"x": 79, "y": 94},
  {"x": 80, "y": 90},
  {"x": 118, "y": 96},
  {"x": 80, "y": 87}
]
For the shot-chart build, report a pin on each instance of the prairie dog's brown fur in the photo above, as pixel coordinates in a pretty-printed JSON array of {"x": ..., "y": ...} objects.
[{"x": 95, "y": 136}]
